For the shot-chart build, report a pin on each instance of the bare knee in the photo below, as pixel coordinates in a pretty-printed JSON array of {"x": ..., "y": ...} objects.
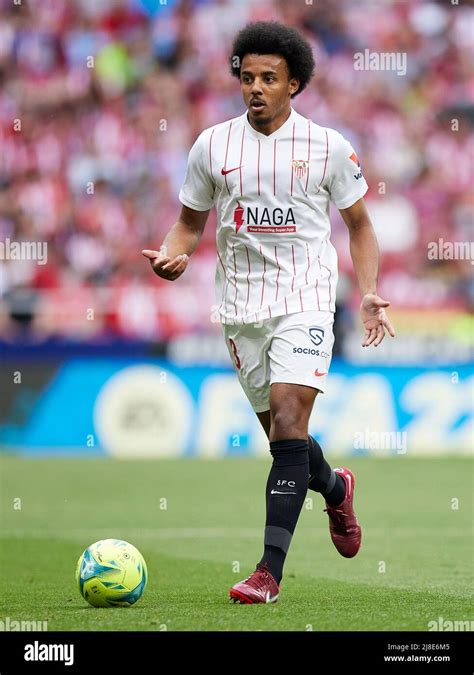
[
  {"x": 288, "y": 422},
  {"x": 291, "y": 407}
]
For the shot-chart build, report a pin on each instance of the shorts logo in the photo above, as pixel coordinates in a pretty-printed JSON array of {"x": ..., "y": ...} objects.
[
  {"x": 301, "y": 167},
  {"x": 310, "y": 351},
  {"x": 316, "y": 335}
]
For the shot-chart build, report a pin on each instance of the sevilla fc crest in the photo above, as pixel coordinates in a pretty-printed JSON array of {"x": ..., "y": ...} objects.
[{"x": 301, "y": 167}]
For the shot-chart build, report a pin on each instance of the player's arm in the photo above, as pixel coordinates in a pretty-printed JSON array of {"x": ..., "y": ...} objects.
[
  {"x": 180, "y": 243},
  {"x": 365, "y": 257},
  {"x": 197, "y": 198}
]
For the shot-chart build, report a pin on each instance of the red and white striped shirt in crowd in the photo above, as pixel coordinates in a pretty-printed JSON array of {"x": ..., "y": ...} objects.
[{"x": 272, "y": 197}]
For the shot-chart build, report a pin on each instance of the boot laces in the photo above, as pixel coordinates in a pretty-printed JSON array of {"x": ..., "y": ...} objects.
[
  {"x": 338, "y": 517},
  {"x": 260, "y": 577}
]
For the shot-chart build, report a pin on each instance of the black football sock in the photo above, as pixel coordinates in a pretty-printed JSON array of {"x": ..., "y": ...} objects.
[
  {"x": 287, "y": 485},
  {"x": 322, "y": 478}
]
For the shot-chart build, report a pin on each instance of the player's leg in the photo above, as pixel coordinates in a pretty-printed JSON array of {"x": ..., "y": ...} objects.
[
  {"x": 322, "y": 478},
  {"x": 285, "y": 489},
  {"x": 337, "y": 488},
  {"x": 251, "y": 352},
  {"x": 300, "y": 353},
  {"x": 265, "y": 420},
  {"x": 248, "y": 347},
  {"x": 287, "y": 484}
]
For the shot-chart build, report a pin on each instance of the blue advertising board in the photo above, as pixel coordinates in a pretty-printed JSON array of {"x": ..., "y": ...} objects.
[{"x": 126, "y": 407}]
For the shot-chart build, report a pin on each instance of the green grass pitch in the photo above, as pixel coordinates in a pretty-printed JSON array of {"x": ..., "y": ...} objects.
[{"x": 197, "y": 521}]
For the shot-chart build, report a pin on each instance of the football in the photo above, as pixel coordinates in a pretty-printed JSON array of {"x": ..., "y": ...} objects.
[{"x": 111, "y": 573}]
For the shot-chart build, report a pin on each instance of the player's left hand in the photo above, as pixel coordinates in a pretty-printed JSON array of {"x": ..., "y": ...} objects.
[
  {"x": 163, "y": 266},
  {"x": 375, "y": 320}
]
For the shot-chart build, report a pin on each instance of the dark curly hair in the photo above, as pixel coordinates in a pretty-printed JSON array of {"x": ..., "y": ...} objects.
[{"x": 270, "y": 37}]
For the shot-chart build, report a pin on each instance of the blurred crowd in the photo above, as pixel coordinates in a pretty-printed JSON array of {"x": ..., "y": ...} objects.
[{"x": 101, "y": 101}]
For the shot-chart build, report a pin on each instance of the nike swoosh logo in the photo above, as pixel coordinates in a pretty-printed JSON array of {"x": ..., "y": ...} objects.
[
  {"x": 224, "y": 172},
  {"x": 268, "y": 597},
  {"x": 318, "y": 374},
  {"x": 276, "y": 492}
]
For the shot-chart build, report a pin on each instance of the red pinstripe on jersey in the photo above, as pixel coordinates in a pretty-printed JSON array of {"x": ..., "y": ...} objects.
[
  {"x": 225, "y": 285},
  {"x": 278, "y": 273},
  {"x": 274, "y": 165},
  {"x": 248, "y": 282},
  {"x": 235, "y": 280},
  {"x": 258, "y": 168},
  {"x": 226, "y": 153},
  {"x": 241, "y": 155},
  {"x": 329, "y": 282},
  {"x": 294, "y": 267},
  {"x": 307, "y": 269},
  {"x": 317, "y": 294},
  {"x": 263, "y": 276},
  {"x": 210, "y": 154},
  {"x": 292, "y": 157},
  {"x": 326, "y": 160},
  {"x": 309, "y": 157}
]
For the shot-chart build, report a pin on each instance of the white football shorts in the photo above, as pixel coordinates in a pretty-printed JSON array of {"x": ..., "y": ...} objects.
[{"x": 294, "y": 348}]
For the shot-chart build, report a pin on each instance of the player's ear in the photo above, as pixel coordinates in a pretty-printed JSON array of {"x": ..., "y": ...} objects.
[{"x": 294, "y": 86}]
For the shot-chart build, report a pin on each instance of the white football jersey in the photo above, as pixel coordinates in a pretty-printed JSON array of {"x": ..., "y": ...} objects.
[{"x": 272, "y": 197}]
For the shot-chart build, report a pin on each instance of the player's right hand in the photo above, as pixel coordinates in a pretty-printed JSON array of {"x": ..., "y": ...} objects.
[{"x": 164, "y": 267}]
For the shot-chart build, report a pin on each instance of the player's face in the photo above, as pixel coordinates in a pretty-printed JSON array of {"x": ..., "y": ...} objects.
[{"x": 266, "y": 87}]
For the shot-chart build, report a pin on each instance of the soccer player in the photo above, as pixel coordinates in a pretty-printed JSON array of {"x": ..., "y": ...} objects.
[{"x": 271, "y": 174}]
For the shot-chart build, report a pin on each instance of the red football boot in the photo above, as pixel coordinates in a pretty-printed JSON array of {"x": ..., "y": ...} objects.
[
  {"x": 259, "y": 587},
  {"x": 343, "y": 526}
]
